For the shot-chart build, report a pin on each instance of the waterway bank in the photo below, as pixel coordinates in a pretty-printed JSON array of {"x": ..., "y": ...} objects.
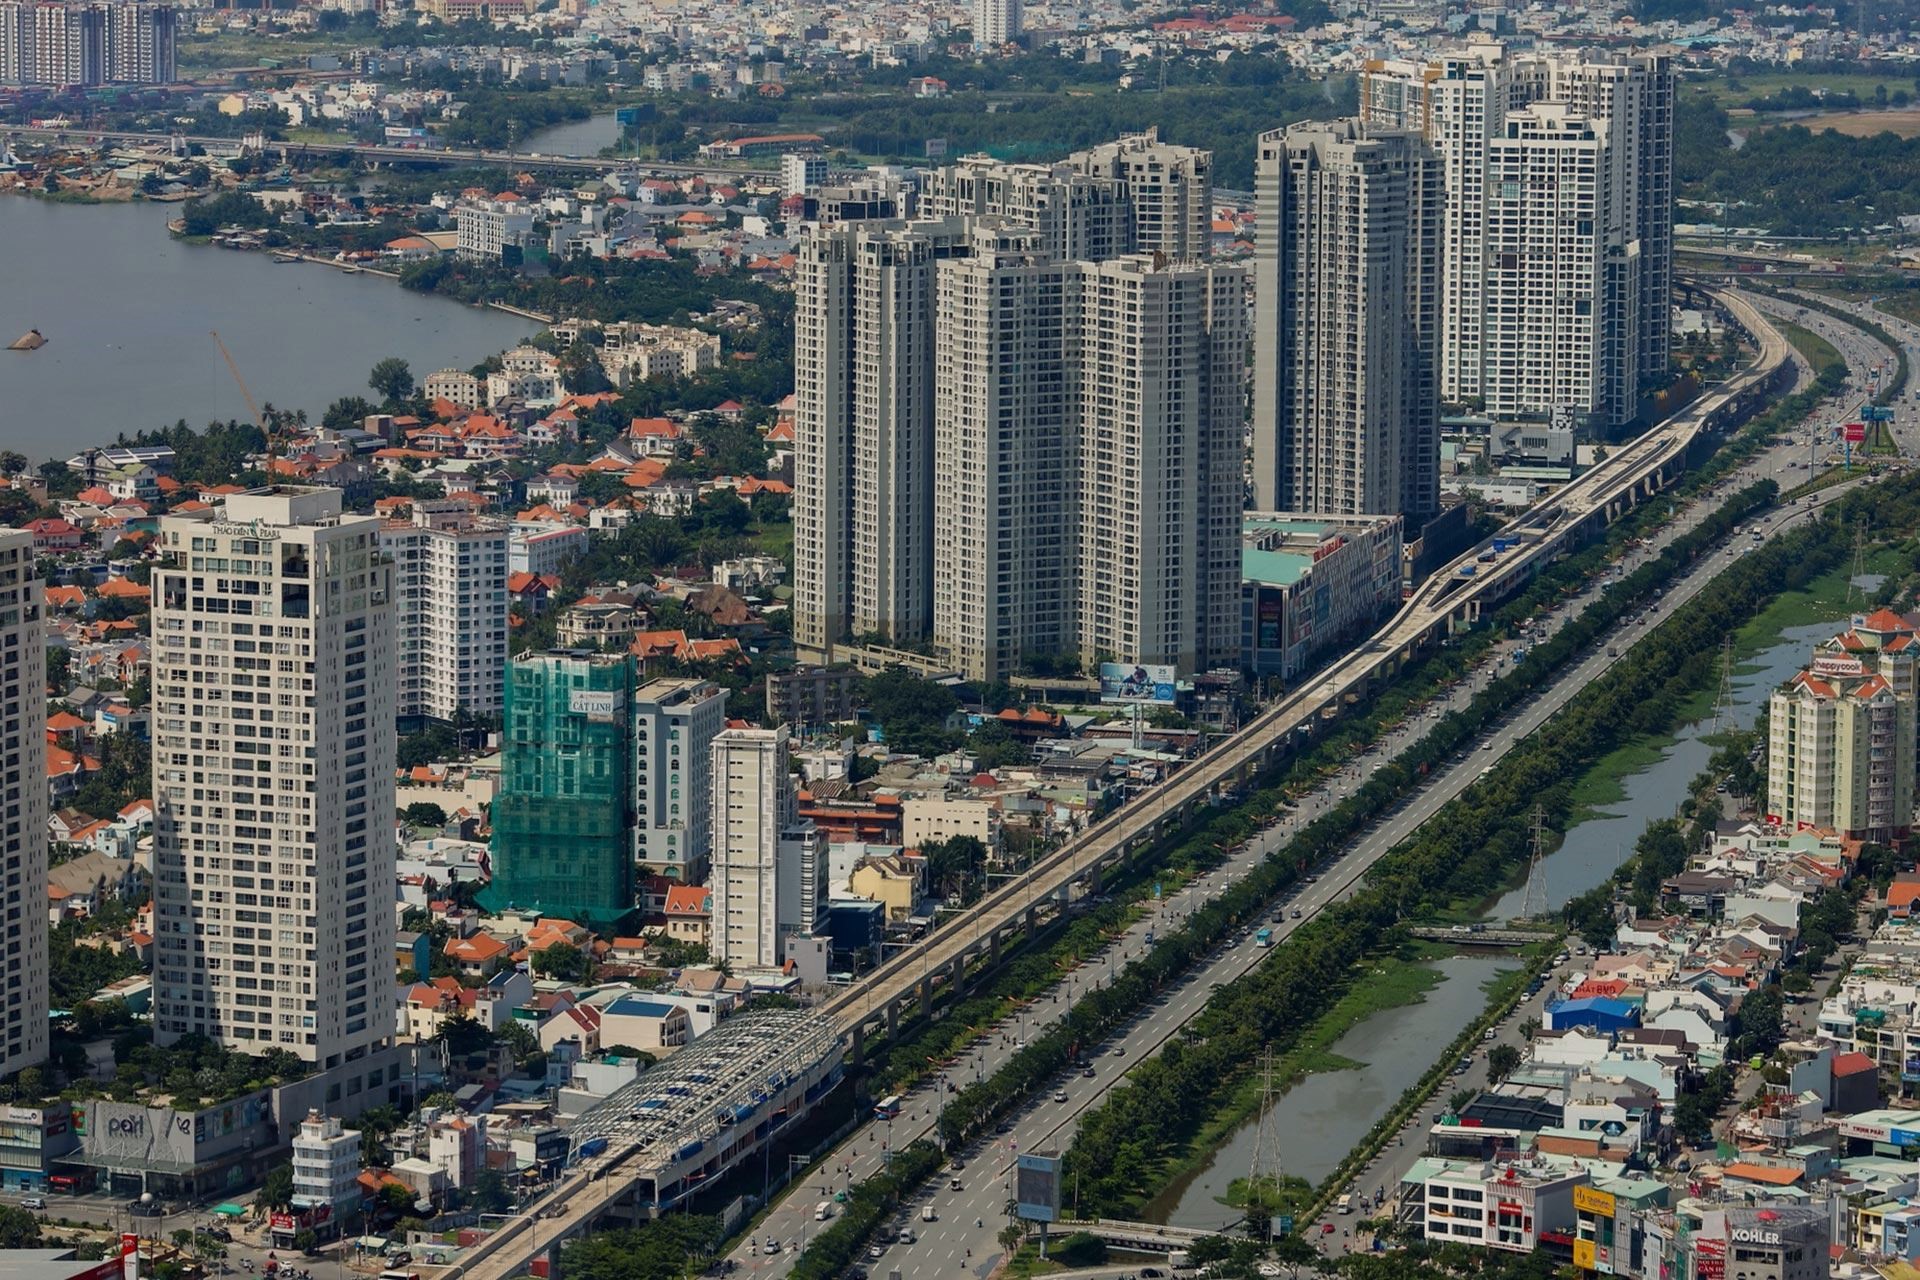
[
  {"x": 127, "y": 308},
  {"x": 1356, "y": 1074}
]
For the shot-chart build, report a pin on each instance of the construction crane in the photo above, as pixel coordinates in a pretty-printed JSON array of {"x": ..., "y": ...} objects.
[{"x": 266, "y": 428}]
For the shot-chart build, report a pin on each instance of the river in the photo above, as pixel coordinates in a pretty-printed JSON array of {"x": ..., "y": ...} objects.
[
  {"x": 127, "y": 310},
  {"x": 587, "y": 137},
  {"x": 1320, "y": 1119},
  {"x": 1317, "y": 1122}
]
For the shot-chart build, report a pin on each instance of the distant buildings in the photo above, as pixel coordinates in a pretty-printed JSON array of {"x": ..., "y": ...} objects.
[
  {"x": 995, "y": 23},
  {"x": 1840, "y": 734},
  {"x": 450, "y": 606},
  {"x": 23, "y": 821},
  {"x": 273, "y": 840},
  {"x": 60, "y": 44},
  {"x": 769, "y": 865}
]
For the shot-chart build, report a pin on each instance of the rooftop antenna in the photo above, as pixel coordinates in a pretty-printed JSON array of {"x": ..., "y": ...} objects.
[{"x": 266, "y": 428}]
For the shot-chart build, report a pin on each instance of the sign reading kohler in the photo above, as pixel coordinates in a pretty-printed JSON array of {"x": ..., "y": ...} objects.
[{"x": 139, "y": 1136}]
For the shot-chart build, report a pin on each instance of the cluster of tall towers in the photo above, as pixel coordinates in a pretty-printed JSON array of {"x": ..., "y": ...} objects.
[
  {"x": 1020, "y": 423},
  {"x": 1019, "y": 418},
  {"x": 1494, "y": 231},
  {"x": 51, "y": 42}
]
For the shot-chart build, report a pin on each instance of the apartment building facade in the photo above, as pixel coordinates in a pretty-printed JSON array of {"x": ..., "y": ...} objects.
[
  {"x": 450, "y": 589},
  {"x": 1346, "y": 420},
  {"x": 769, "y": 864},
  {"x": 23, "y": 815},
  {"x": 273, "y": 694},
  {"x": 674, "y": 724},
  {"x": 1462, "y": 104},
  {"x": 1841, "y": 734}
]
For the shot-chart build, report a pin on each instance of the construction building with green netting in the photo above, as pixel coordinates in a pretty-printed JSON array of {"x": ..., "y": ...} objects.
[{"x": 563, "y": 818}]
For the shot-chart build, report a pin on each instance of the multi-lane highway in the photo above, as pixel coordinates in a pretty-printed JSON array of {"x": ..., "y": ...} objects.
[
  {"x": 967, "y": 1207},
  {"x": 408, "y": 155},
  {"x": 1628, "y": 474}
]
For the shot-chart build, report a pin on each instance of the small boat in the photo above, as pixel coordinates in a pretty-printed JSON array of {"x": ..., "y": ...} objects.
[
  {"x": 286, "y": 257},
  {"x": 31, "y": 340}
]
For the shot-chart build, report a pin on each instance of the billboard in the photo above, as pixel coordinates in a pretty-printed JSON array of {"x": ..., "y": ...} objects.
[
  {"x": 1855, "y": 432},
  {"x": 1036, "y": 1187},
  {"x": 595, "y": 704},
  {"x": 1131, "y": 682},
  {"x": 1587, "y": 1200},
  {"x": 130, "y": 1136}
]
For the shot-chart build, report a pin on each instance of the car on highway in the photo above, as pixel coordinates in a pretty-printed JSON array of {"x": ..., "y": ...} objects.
[
  {"x": 1059, "y": 1095},
  {"x": 33, "y": 1202}
]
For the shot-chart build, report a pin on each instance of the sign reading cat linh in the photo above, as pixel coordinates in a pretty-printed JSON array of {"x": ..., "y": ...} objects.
[{"x": 595, "y": 704}]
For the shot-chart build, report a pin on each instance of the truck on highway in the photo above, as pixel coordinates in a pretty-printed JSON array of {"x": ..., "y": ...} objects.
[
  {"x": 1344, "y": 1204},
  {"x": 1264, "y": 937}
]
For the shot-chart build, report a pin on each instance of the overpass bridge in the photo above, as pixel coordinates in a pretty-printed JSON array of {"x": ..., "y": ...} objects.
[
  {"x": 1138, "y": 1237},
  {"x": 1459, "y": 935},
  {"x": 376, "y": 153},
  {"x": 626, "y": 1178}
]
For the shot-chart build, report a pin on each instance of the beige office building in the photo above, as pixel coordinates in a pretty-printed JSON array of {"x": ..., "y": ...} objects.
[
  {"x": 23, "y": 820},
  {"x": 273, "y": 751}
]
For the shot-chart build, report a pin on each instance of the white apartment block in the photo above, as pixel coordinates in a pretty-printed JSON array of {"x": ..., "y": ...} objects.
[
  {"x": 1156, "y": 366},
  {"x": 674, "y": 724},
  {"x": 326, "y": 1164},
  {"x": 769, "y": 866},
  {"x": 1462, "y": 104},
  {"x": 273, "y": 696},
  {"x": 1552, "y": 339},
  {"x": 1083, "y": 420},
  {"x": 86, "y": 44},
  {"x": 1004, "y": 508},
  {"x": 23, "y": 818},
  {"x": 863, "y": 431},
  {"x": 995, "y": 23},
  {"x": 1168, "y": 189},
  {"x": 801, "y": 172},
  {"x": 456, "y": 387},
  {"x": 543, "y": 547},
  {"x": 450, "y": 610},
  {"x": 1346, "y": 422},
  {"x": 487, "y": 227},
  {"x": 1136, "y": 195},
  {"x": 1841, "y": 735}
]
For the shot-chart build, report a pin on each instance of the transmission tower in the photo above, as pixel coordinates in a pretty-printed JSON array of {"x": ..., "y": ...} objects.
[
  {"x": 1859, "y": 564},
  {"x": 1266, "y": 1133},
  {"x": 1536, "y": 899},
  {"x": 1725, "y": 716}
]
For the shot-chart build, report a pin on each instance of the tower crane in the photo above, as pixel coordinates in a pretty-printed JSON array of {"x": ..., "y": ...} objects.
[{"x": 266, "y": 428}]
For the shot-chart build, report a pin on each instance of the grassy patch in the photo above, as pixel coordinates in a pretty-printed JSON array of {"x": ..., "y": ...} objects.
[
  {"x": 1385, "y": 982},
  {"x": 1819, "y": 353},
  {"x": 1606, "y": 783},
  {"x": 1825, "y": 600},
  {"x": 1735, "y": 91}
]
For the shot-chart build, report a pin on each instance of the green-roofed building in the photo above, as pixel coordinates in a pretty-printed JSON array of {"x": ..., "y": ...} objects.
[
  {"x": 1307, "y": 583},
  {"x": 563, "y": 820}
]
